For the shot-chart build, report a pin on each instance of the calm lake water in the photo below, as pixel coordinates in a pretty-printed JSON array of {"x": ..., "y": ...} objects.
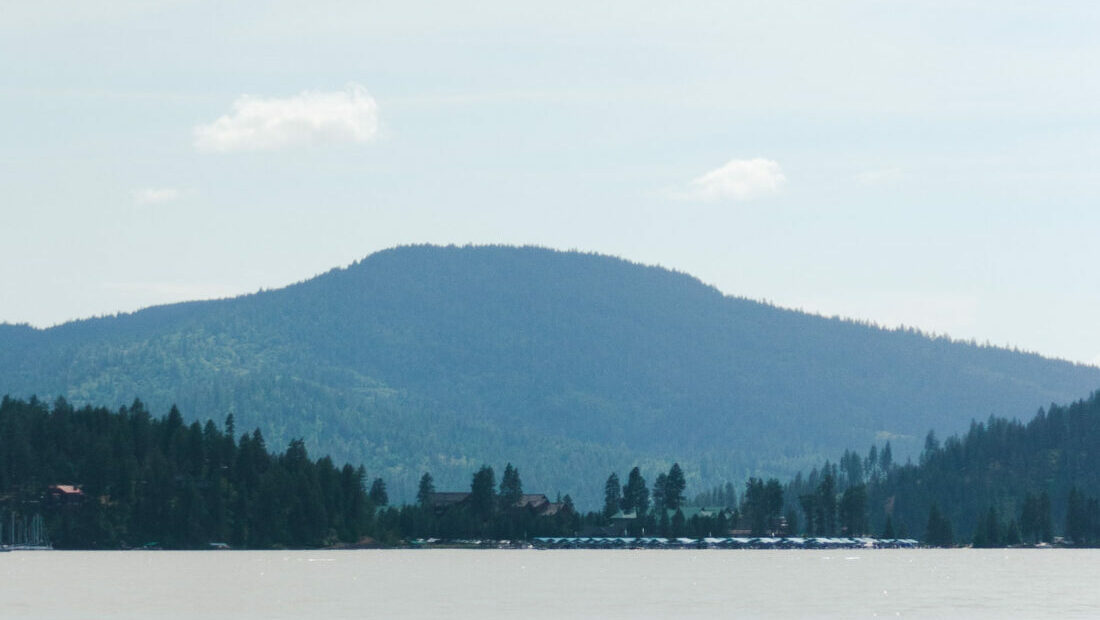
[{"x": 551, "y": 584}]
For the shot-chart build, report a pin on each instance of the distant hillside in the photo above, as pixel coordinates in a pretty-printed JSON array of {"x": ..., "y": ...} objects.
[
  {"x": 569, "y": 365},
  {"x": 999, "y": 465}
]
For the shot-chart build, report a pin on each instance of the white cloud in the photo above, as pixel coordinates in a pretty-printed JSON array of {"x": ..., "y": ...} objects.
[
  {"x": 1095, "y": 361},
  {"x": 155, "y": 195},
  {"x": 310, "y": 117},
  {"x": 738, "y": 180}
]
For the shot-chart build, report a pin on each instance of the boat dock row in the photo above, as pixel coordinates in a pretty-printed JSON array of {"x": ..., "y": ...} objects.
[
  {"x": 725, "y": 543},
  {"x": 653, "y": 542}
]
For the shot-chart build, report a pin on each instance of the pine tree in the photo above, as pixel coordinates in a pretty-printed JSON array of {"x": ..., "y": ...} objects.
[
  {"x": 853, "y": 510},
  {"x": 1077, "y": 518},
  {"x": 938, "y": 531},
  {"x": 635, "y": 494},
  {"x": 792, "y": 522},
  {"x": 888, "y": 529},
  {"x": 677, "y": 526},
  {"x": 482, "y": 493},
  {"x": 378, "y": 495},
  {"x": 988, "y": 532},
  {"x": 664, "y": 527},
  {"x": 612, "y": 495},
  {"x": 567, "y": 504},
  {"x": 1030, "y": 522},
  {"x": 659, "y": 486},
  {"x": 674, "y": 488},
  {"x": 1046, "y": 524},
  {"x": 826, "y": 504},
  {"x": 425, "y": 490},
  {"x": 808, "y": 503},
  {"x": 511, "y": 488},
  {"x": 1011, "y": 534}
]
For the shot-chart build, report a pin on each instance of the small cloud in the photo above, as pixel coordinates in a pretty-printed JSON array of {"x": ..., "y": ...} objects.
[
  {"x": 311, "y": 117},
  {"x": 738, "y": 180},
  {"x": 155, "y": 195},
  {"x": 878, "y": 177}
]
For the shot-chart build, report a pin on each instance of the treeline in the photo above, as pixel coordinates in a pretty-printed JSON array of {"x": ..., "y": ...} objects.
[
  {"x": 1002, "y": 483},
  {"x": 633, "y": 508},
  {"x": 486, "y": 511},
  {"x": 117, "y": 479},
  {"x": 106, "y": 479},
  {"x": 121, "y": 479}
]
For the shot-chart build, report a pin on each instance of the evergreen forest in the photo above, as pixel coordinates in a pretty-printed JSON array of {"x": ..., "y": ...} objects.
[
  {"x": 144, "y": 481},
  {"x": 563, "y": 363},
  {"x": 135, "y": 480},
  {"x": 1003, "y": 482}
]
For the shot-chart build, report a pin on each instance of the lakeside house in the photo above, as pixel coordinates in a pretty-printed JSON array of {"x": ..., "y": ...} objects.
[
  {"x": 623, "y": 520},
  {"x": 537, "y": 504},
  {"x": 65, "y": 494}
]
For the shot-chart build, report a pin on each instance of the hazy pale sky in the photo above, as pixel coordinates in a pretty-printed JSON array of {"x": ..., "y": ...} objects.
[{"x": 932, "y": 164}]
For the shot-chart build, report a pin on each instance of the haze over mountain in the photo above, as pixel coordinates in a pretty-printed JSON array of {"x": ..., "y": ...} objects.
[{"x": 568, "y": 365}]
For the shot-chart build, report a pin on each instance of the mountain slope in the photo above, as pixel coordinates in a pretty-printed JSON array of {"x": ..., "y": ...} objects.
[
  {"x": 566, "y": 364},
  {"x": 996, "y": 464}
]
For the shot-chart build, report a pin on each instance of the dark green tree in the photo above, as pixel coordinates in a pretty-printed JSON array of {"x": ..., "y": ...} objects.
[
  {"x": 425, "y": 489},
  {"x": 378, "y": 495},
  {"x": 483, "y": 493},
  {"x": 511, "y": 488},
  {"x": 659, "y": 492},
  {"x": 1011, "y": 536},
  {"x": 612, "y": 495},
  {"x": 938, "y": 531},
  {"x": 988, "y": 532},
  {"x": 853, "y": 510},
  {"x": 808, "y": 503},
  {"x": 761, "y": 504},
  {"x": 674, "y": 488},
  {"x": 1046, "y": 523},
  {"x": 677, "y": 527},
  {"x": 825, "y": 504},
  {"x": 888, "y": 529},
  {"x": 792, "y": 522},
  {"x": 1031, "y": 526},
  {"x": 635, "y": 494},
  {"x": 1077, "y": 518}
]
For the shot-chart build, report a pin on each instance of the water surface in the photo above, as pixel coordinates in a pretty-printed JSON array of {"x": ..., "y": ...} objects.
[{"x": 331, "y": 585}]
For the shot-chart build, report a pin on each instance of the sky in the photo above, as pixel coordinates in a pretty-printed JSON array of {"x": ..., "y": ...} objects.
[{"x": 929, "y": 164}]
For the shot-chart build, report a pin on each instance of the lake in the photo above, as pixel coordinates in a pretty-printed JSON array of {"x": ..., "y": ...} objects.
[{"x": 961, "y": 583}]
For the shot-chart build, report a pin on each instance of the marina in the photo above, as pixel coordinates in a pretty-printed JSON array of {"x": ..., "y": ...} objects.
[{"x": 655, "y": 542}]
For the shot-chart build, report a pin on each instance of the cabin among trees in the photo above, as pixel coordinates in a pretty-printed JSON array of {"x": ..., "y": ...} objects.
[
  {"x": 487, "y": 511},
  {"x": 65, "y": 495},
  {"x": 537, "y": 505},
  {"x": 123, "y": 479}
]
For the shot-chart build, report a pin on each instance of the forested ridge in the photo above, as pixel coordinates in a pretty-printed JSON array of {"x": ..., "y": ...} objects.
[
  {"x": 1002, "y": 482},
  {"x": 443, "y": 358},
  {"x": 136, "y": 480},
  {"x": 105, "y": 479},
  {"x": 118, "y": 479}
]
